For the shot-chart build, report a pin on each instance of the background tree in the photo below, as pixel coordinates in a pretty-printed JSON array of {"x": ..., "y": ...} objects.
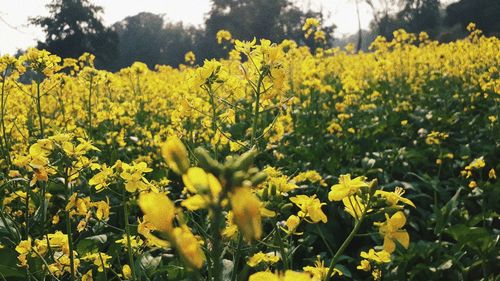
[
  {"x": 414, "y": 16},
  {"x": 74, "y": 27},
  {"x": 147, "y": 38},
  {"x": 484, "y": 13},
  {"x": 274, "y": 20}
]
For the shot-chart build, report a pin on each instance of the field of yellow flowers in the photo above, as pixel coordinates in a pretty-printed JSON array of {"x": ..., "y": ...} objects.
[{"x": 277, "y": 163}]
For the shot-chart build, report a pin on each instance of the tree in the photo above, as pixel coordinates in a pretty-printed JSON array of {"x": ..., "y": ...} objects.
[
  {"x": 414, "y": 16},
  {"x": 274, "y": 20},
  {"x": 484, "y": 13},
  {"x": 74, "y": 27},
  {"x": 147, "y": 38}
]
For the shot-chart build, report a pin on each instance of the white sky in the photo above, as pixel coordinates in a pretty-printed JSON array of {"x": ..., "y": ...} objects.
[{"x": 16, "y": 33}]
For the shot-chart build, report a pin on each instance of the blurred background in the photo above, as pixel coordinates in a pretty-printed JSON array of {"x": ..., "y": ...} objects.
[{"x": 163, "y": 31}]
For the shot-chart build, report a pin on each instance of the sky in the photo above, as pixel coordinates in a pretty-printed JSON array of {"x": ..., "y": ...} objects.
[{"x": 15, "y": 32}]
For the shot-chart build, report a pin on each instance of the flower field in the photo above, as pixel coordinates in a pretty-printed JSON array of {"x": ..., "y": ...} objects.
[{"x": 276, "y": 163}]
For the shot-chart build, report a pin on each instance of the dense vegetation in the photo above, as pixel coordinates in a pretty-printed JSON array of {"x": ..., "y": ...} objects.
[{"x": 276, "y": 163}]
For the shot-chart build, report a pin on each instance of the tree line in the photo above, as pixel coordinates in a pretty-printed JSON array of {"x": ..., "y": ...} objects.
[{"x": 75, "y": 26}]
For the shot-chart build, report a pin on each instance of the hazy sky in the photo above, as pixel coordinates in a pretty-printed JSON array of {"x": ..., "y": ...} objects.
[{"x": 16, "y": 33}]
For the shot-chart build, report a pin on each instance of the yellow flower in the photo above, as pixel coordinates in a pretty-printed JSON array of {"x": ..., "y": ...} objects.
[
  {"x": 100, "y": 180},
  {"x": 310, "y": 207},
  {"x": 24, "y": 247},
  {"x": 364, "y": 265},
  {"x": 472, "y": 184},
  {"x": 223, "y": 35},
  {"x": 133, "y": 176},
  {"x": 287, "y": 276},
  {"x": 244, "y": 46},
  {"x": 87, "y": 276},
  {"x": 319, "y": 271},
  {"x": 378, "y": 257},
  {"x": 391, "y": 230},
  {"x": 291, "y": 225},
  {"x": 158, "y": 210},
  {"x": 190, "y": 57},
  {"x": 101, "y": 260},
  {"x": 354, "y": 206},
  {"x": 188, "y": 247},
  {"x": 476, "y": 164},
  {"x": 393, "y": 198},
  {"x": 102, "y": 212},
  {"x": 194, "y": 202},
  {"x": 127, "y": 272},
  {"x": 176, "y": 155},
  {"x": 246, "y": 212},
  {"x": 492, "y": 174},
  {"x": 231, "y": 230},
  {"x": 346, "y": 187},
  {"x": 59, "y": 240},
  {"x": 146, "y": 228},
  {"x": 263, "y": 276},
  {"x": 260, "y": 257},
  {"x": 198, "y": 181},
  {"x": 311, "y": 176}
]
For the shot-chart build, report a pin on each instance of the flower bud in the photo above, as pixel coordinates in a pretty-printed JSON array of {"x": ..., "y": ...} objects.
[{"x": 176, "y": 155}]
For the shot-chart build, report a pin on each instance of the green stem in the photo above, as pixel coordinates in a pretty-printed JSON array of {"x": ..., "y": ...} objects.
[
  {"x": 353, "y": 233},
  {"x": 4, "y": 221},
  {"x": 42, "y": 205},
  {"x": 27, "y": 214},
  {"x": 4, "y": 142},
  {"x": 68, "y": 229},
  {"x": 90, "y": 105},
  {"x": 217, "y": 243},
  {"x": 214, "y": 116},
  {"x": 324, "y": 240},
  {"x": 129, "y": 244},
  {"x": 237, "y": 257},
  {"x": 256, "y": 109},
  {"x": 39, "y": 109},
  {"x": 284, "y": 255}
]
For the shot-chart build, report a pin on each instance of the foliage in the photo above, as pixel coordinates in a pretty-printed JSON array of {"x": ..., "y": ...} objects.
[
  {"x": 73, "y": 28},
  {"x": 147, "y": 38},
  {"x": 278, "y": 162},
  {"x": 482, "y": 12}
]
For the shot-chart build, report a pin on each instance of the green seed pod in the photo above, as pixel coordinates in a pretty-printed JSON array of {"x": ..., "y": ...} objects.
[
  {"x": 273, "y": 190},
  {"x": 238, "y": 178},
  {"x": 244, "y": 162},
  {"x": 265, "y": 194},
  {"x": 206, "y": 162},
  {"x": 252, "y": 171},
  {"x": 286, "y": 207},
  {"x": 258, "y": 178}
]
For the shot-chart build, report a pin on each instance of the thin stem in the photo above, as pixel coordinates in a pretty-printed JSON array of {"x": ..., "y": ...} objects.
[
  {"x": 353, "y": 233},
  {"x": 39, "y": 109},
  {"x": 4, "y": 142},
  {"x": 42, "y": 205},
  {"x": 211, "y": 93},
  {"x": 237, "y": 257},
  {"x": 90, "y": 105},
  {"x": 324, "y": 240},
  {"x": 4, "y": 221},
  {"x": 256, "y": 109},
  {"x": 284, "y": 255},
  {"x": 217, "y": 243},
  {"x": 27, "y": 214},
  {"x": 129, "y": 244},
  {"x": 68, "y": 228}
]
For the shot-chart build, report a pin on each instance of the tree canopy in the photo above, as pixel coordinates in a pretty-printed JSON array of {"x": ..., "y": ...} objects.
[{"x": 74, "y": 27}]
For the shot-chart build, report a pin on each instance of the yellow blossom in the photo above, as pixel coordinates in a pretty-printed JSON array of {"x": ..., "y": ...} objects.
[
  {"x": 346, "y": 187},
  {"x": 310, "y": 207}
]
